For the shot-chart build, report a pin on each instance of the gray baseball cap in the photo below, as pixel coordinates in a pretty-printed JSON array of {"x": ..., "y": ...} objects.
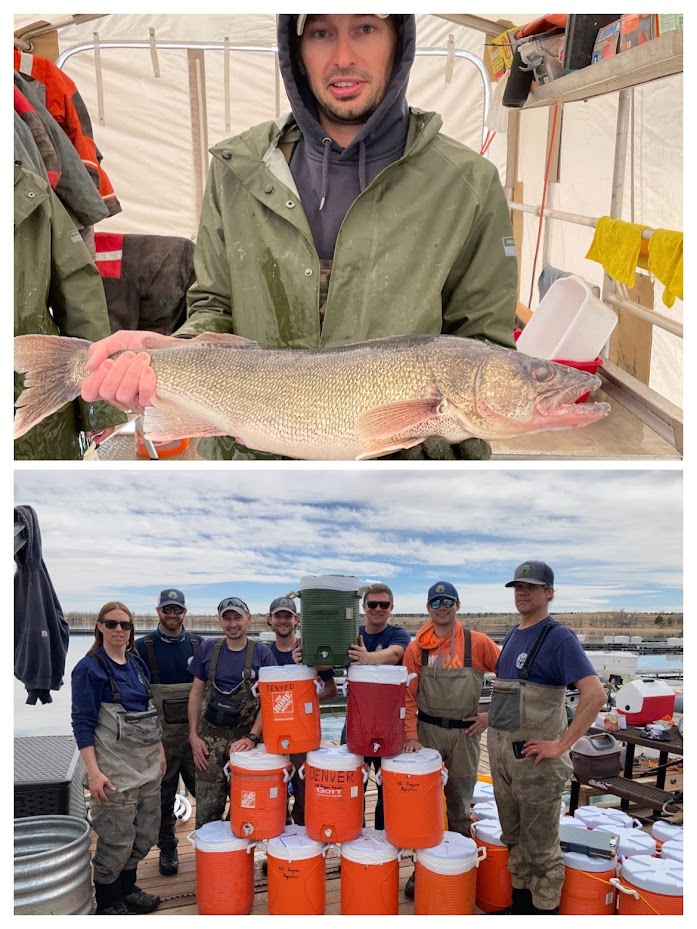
[
  {"x": 283, "y": 603},
  {"x": 232, "y": 603},
  {"x": 302, "y": 17},
  {"x": 533, "y": 572}
]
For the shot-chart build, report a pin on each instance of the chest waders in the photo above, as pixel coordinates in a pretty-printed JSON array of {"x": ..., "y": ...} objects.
[
  {"x": 528, "y": 795},
  {"x": 225, "y": 717},
  {"x": 448, "y": 701},
  {"x": 127, "y": 747},
  {"x": 172, "y": 701}
]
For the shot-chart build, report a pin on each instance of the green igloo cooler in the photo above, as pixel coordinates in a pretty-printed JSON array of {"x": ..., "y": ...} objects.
[{"x": 330, "y": 618}]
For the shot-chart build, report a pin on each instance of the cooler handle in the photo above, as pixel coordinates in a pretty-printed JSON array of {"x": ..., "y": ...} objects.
[
  {"x": 344, "y": 688},
  {"x": 252, "y": 846},
  {"x": 301, "y": 772},
  {"x": 226, "y": 769},
  {"x": 378, "y": 776},
  {"x": 326, "y": 848},
  {"x": 319, "y": 685},
  {"x": 365, "y": 774},
  {"x": 410, "y": 677},
  {"x": 636, "y": 823},
  {"x": 255, "y": 689},
  {"x": 625, "y": 890},
  {"x": 288, "y": 774},
  {"x": 444, "y": 775},
  {"x": 480, "y": 855},
  {"x": 192, "y": 838}
]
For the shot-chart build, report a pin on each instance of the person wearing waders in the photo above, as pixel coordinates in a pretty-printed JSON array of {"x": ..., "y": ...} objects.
[
  {"x": 528, "y": 739},
  {"x": 224, "y": 715},
  {"x": 118, "y": 732},
  {"x": 353, "y": 217},
  {"x": 283, "y": 619},
  {"x": 167, "y": 652},
  {"x": 442, "y": 701}
]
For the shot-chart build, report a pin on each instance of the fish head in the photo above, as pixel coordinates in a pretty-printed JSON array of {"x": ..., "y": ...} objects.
[{"x": 515, "y": 394}]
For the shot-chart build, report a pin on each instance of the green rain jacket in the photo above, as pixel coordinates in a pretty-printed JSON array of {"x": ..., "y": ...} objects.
[
  {"x": 58, "y": 291},
  {"x": 426, "y": 248}
]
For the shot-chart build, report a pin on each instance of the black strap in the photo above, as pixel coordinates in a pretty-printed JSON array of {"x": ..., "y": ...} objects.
[
  {"x": 532, "y": 654},
  {"x": 468, "y": 650},
  {"x": 247, "y": 674},
  {"x": 214, "y": 660},
  {"x": 195, "y": 643},
  {"x": 152, "y": 660},
  {"x": 112, "y": 680},
  {"x": 446, "y": 723}
]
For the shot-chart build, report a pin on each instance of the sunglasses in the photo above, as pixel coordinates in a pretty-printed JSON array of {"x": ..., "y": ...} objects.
[
  {"x": 126, "y": 625},
  {"x": 446, "y": 601},
  {"x": 374, "y": 604},
  {"x": 172, "y": 609}
]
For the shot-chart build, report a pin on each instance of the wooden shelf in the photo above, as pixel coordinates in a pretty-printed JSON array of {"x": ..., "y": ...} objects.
[{"x": 655, "y": 59}]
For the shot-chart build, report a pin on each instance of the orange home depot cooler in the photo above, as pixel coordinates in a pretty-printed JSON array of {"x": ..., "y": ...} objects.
[
  {"x": 412, "y": 791},
  {"x": 375, "y": 710},
  {"x": 224, "y": 871},
  {"x": 289, "y": 698},
  {"x": 296, "y": 874},
  {"x": 334, "y": 786},
  {"x": 446, "y": 877},
  {"x": 665, "y": 832},
  {"x": 494, "y": 889},
  {"x": 649, "y": 887},
  {"x": 587, "y": 890},
  {"x": 258, "y": 793},
  {"x": 369, "y": 876}
]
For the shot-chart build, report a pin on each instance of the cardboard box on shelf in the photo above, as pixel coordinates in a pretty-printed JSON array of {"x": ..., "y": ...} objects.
[
  {"x": 636, "y": 29},
  {"x": 606, "y": 42},
  {"x": 500, "y": 51},
  {"x": 667, "y": 22}
]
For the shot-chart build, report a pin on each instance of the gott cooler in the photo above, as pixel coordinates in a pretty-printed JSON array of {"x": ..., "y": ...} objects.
[
  {"x": 224, "y": 871},
  {"x": 375, "y": 709},
  {"x": 296, "y": 874},
  {"x": 446, "y": 877},
  {"x": 289, "y": 699},
  {"x": 258, "y": 793},
  {"x": 330, "y": 608},
  {"x": 369, "y": 876},
  {"x": 334, "y": 787},
  {"x": 412, "y": 791}
]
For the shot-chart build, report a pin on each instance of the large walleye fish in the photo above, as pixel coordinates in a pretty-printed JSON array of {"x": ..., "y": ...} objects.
[{"x": 353, "y": 402}]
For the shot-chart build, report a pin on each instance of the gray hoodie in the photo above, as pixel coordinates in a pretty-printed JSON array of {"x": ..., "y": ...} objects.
[{"x": 328, "y": 177}]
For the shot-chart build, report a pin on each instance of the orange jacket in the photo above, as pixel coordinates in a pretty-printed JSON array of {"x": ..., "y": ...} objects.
[
  {"x": 485, "y": 654},
  {"x": 64, "y": 103}
]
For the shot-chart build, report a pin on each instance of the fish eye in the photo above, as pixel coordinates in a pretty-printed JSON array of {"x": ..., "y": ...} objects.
[{"x": 542, "y": 372}]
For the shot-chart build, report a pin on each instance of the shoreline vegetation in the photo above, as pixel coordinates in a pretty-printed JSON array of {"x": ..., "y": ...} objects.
[{"x": 593, "y": 625}]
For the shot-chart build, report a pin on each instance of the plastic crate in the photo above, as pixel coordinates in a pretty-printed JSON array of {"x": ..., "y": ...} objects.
[
  {"x": 48, "y": 777},
  {"x": 590, "y": 367}
]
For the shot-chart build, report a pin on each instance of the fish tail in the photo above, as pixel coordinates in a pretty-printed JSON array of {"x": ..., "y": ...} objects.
[{"x": 54, "y": 369}]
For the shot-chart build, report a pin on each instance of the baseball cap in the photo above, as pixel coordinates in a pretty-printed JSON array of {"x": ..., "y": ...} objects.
[
  {"x": 171, "y": 596},
  {"x": 442, "y": 589},
  {"x": 232, "y": 603},
  {"x": 302, "y": 17},
  {"x": 283, "y": 603},
  {"x": 533, "y": 572}
]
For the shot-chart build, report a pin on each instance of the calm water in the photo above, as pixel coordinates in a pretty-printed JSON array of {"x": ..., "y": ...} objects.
[{"x": 54, "y": 718}]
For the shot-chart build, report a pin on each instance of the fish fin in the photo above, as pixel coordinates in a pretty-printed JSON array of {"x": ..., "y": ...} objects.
[
  {"x": 164, "y": 421},
  {"x": 222, "y": 338},
  {"x": 51, "y": 367},
  {"x": 388, "y": 420},
  {"x": 388, "y": 449}
]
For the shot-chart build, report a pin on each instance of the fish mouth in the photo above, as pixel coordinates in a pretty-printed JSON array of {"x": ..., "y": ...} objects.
[{"x": 561, "y": 407}]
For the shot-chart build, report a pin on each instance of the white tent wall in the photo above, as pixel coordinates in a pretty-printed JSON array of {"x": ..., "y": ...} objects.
[{"x": 148, "y": 152}]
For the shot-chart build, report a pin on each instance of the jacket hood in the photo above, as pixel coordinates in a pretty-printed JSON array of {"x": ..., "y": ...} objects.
[{"x": 392, "y": 108}]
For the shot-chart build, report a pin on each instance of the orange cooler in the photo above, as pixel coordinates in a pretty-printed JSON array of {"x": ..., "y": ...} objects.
[
  {"x": 673, "y": 850},
  {"x": 296, "y": 874},
  {"x": 375, "y": 709},
  {"x": 665, "y": 832},
  {"x": 258, "y": 793},
  {"x": 289, "y": 698},
  {"x": 224, "y": 871},
  {"x": 369, "y": 876},
  {"x": 412, "y": 790},
  {"x": 494, "y": 889},
  {"x": 446, "y": 877},
  {"x": 587, "y": 890},
  {"x": 334, "y": 787},
  {"x": 649, "y": 887}
]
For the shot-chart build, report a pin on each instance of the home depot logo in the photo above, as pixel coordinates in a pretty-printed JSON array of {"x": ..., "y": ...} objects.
[
  {"x": 282, "y": 704},
  {"x": 248, "y": 800}
]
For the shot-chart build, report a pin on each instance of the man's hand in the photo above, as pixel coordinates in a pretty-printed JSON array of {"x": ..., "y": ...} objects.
[
  {"x": 412, "y": 745},
  {"x": 297, "y": 652},
  {"x": 127, "y": 382},
  {"x": 244, "y": 744},
  {"x": 163, "y": 760},
  {"x": 359, "y": 654},
  {"x": 543, "y": 748},
  {"x": 479, "y": 725},
  {"x": 199, "y": 750}
]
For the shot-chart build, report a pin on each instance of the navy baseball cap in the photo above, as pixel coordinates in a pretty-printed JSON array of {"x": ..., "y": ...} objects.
[
  {"x": 442, "y": 589},
  {"x": 283, "y": 603},
  {"x": 533, "y": 572},
  {"x": 171, "y": 596},
  {"x": 232, "y": 603}
]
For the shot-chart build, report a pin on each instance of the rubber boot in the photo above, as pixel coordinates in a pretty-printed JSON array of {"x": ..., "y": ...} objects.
[
  {"x": 538, "y": 912},
  {"x": 109, "y": 899},
  {"x": 521, "y": 904},
  {"x": 137, "y": 900}
]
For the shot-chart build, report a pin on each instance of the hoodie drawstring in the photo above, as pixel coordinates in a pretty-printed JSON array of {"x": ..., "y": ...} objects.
[
  {"x": 361, "y": 166},
  {"x": 327, "y": 142}
]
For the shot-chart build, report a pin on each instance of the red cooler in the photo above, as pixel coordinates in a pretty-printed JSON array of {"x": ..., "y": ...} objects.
[
  {"x": 375, "y": 710},
  {"x": 643, "y": 702}
]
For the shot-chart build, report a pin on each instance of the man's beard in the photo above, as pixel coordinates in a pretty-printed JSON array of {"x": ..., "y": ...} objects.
[{"x": 346, "y": 116}]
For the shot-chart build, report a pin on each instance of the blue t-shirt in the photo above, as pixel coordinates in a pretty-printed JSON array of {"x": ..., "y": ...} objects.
[
  {"x": 91, "y": 687},
  {"x": 172, "y": 657},
  {"x": 285, "y": 658},
  {"x": 390, "y": 635},
  {"x": 560, "y": 661},
  {"x": 228, "y": 673}
]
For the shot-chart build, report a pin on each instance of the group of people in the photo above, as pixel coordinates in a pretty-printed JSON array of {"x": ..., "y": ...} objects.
[{"x": 147, "y": 711}]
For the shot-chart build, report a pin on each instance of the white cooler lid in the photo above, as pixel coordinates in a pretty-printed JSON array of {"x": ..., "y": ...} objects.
[
  {"x": 217, "y": 837},
  {"x": 571, "y": 821},
  {"x": 371, "y": 847},
  {"x": 293, "y": 844},
  {"x": 454, "y": 855},
  {"x": 580, "y": 862},
  {"x": 334, "y": 758},
  {"x": 329, "y": 582},
  {"x": 486, "y": 810},
  {"x": 287, "y": 672},
  {"x": 425, "y": 761},
  {"x": 666, "y": 832},
  {"x": 487, "y": 830},
  {"x": 482, "y": 792},
  {"x": 377, "y": 674},
  {"x": 258, "y": 759},
  {"x": 659, "y": 875},
  {"x": 594, "y": 816},
  {"x": 673, "y": 850},
  {"x": 630, "y": 841}
]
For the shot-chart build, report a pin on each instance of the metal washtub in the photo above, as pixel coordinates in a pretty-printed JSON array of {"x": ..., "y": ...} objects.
[{"x": 52, "y": 871}]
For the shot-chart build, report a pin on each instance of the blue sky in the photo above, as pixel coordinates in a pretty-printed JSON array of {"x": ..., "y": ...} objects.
[{"x": 613, "y": 537}]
